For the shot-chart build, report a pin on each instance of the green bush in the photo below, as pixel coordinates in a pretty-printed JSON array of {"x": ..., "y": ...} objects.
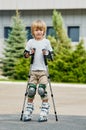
[
  {"x": 21, "y": 69},
  {"x": 69, "y": 67}
]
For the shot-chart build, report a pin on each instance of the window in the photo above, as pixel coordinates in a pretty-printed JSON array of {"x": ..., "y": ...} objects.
[
  {"x": 7, "y": 31},
  {"x": 29, "y": 35},
  {"x": 73, "y": 33},
  {"x": 50, "y": 31}
]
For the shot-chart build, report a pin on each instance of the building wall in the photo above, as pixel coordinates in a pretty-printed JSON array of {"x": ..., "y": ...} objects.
[
  {"x": 42, "y": 4},
  {"x": 76, "y": 18},
  {"x": 70, "y": 17}
]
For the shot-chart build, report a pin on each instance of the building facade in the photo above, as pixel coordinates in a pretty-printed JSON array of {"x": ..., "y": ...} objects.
[{"x": 73, "y": 13}]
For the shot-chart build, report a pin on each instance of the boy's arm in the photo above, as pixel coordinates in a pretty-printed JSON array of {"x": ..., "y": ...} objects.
[
  {"x": 27, "y": 50},
  {"x": 50, "y": 51}
]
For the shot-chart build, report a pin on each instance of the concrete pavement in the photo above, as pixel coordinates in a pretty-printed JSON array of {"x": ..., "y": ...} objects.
[
  {"x": 70, "y": 104},
  {"x": 66, "y": 122}
]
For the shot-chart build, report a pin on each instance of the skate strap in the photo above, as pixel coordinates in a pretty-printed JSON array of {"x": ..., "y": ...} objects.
[
  {"x": 44, "y": 110},
  {"x": 45, "y": 106},
  {"x": 30, "y": 107}
]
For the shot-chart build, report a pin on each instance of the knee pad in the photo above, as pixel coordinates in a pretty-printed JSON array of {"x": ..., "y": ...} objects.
[
  {"x": 41, "y": 90},
  {"x": 31, "y": 90}
]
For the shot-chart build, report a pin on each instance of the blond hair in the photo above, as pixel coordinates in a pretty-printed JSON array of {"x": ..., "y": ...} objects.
[{"x": 38, "y": 24}]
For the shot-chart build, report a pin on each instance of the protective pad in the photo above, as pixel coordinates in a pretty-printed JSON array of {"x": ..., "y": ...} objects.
[
  {"x": 41, "y": 90},
  {"x": 31, "y": 90}
]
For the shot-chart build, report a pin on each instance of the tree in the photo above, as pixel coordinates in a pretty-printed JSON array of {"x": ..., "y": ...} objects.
[
  {"x": 69, "y": 64},
  {"x": 78, "y": 63},
  {"x": 61, "y": 39},
  {"x": 14, "y": 46},
  {"x": 62, "y": 48}
]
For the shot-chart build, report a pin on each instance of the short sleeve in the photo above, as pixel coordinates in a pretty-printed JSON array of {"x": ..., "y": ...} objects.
[
  {"x": 28, "y": 46},
  {"x": 49, "y": 47}
]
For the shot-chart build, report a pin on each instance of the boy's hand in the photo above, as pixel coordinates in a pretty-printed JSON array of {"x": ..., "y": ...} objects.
[
  {"x": 32, "y": 51},
  {"x": 26, "y": 54},
  {"x": 44, "y": 51},
  {"x": 48, "y": 54}
]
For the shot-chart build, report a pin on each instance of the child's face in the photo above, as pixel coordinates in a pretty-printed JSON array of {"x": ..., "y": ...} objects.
[{"x": 38, "y": 33}]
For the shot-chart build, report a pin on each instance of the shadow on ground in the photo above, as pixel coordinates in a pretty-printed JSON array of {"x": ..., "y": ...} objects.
[{"x": 12, "y": 122}]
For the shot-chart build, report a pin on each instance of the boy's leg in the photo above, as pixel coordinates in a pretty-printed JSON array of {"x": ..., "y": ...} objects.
[
  {"x": 30, "y": 106},
  {"x": 44, "y": 96},
  {"x": 45, "y": 105}
]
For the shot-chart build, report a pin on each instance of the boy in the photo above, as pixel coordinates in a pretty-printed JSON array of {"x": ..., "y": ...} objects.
[{"x": 38, "y": 46}]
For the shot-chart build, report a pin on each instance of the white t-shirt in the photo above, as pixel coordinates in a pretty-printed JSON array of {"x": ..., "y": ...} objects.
[{"x": 39, "y": 45}]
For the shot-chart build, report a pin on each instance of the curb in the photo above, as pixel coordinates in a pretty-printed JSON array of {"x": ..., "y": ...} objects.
[{"x": 52, "y": 84}]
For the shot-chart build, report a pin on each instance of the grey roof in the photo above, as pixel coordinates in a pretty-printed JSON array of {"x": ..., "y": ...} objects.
[{"x": 41, "y": 4}]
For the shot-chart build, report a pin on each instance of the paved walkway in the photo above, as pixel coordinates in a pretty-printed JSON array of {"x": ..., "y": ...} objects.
[
  {"x": 70, "y": 101},
  {"x": 12, "y": 122}
]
